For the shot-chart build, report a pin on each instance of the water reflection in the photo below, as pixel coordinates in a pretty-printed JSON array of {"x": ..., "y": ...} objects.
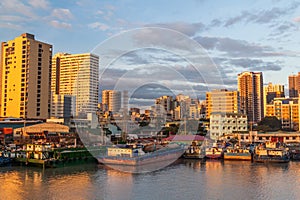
[{"x": 186, "y": 179}]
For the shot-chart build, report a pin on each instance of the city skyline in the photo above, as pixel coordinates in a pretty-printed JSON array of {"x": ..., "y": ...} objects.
[{"x": 271, "y": 46}]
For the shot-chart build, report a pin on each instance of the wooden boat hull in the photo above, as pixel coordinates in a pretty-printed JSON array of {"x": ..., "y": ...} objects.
[
  {"x": 237, "y": 156},
  {"x": 193, "y": 156},
  {"x": 268, "y": 159}
]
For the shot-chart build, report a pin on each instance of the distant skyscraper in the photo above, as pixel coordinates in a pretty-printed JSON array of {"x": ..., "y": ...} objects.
[
  {"x": 272, "y": 91},
  {"x": 77, "y": 75},
  {"x": 25, "y": 69},
  {"x": 250, "y": 87},
  {"x": 294, "y": 85},
  {"x": 222, "y": 101},
  {"x": 111, "y": 100}
]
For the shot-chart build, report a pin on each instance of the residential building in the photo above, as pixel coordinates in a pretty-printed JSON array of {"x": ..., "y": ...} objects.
[
  {"x": 287, "y": 111},
  {"x": 294, "y": 85},
  {"x": 77, "y": 75},
  {"x": 111, "y": 100},
  {"x": 62, "y": 106},
  {"x": 222, "y": 101},
  {"x": 25, "y": 78},
  {"x": 270, "y": 92},
  {"x": 226, "y": 124},
  {"x": 250, "y": 87}
]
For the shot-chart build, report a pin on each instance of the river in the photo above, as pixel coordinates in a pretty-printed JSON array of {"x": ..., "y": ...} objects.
[{"x": 185, "y": 179}]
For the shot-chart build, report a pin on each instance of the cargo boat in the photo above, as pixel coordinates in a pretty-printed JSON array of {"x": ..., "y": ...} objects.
[
  {"x": 136, "y": 156},
  {"x": 237, "y": 154},
  {"x": 271, "y": 152}
]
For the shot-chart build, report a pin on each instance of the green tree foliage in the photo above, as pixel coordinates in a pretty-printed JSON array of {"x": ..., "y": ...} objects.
[{"x": 269, "y": 124}]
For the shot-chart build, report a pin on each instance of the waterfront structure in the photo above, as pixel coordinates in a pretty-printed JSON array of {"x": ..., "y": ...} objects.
[
  {"x": 226, "y": 124},
  {"x": 262, "y": 137},
  {"x": 287, "y": 111},
  {"x": 25, "y": 69},
  {"x": 294, "y": 85},
  {"x": 250, "y": 87},
  {"x": 270, "y": 92},
  {"x": 222, "y": 101},
  {"x": 111, "y": 100},
  {"x": 77, "y": 75}
]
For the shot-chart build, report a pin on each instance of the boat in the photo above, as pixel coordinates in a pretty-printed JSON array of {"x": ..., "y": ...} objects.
[
  {"x": 237, "y": 153},
  {"x": 135, "y": 156},
  {"x": 214, "y": 152},
  {"x": 271, "y": 152},
  {"x": 194, "y": 152}
]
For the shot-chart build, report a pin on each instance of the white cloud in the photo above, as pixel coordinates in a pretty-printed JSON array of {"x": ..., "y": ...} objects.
[
  {"x": 62, "y": 13},
  {"x": 99, "y": 26},
  {"x": 58, "y": 24},
  {"x": 44, "y": 4},
  {"x": 16, "y": 7},
  {"x": 296, "y": 19}
]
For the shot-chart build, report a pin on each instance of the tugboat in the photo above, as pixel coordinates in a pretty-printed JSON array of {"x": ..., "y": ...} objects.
[
  {"x": 194, "y": 151},
  {"x": 273, "y": 152},
  {"x": 214, "y": 152},
  {"x": 237, "y": 153}
]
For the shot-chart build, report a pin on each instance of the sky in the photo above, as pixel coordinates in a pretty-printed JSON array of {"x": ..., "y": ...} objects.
[{"x": 161, "y": 47}]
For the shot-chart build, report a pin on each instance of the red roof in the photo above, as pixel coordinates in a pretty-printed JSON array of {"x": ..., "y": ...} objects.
[{"x": 185, "y": 138}]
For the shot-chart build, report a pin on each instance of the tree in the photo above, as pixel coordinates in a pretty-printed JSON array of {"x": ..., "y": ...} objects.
[{"x": 270, "y": 123}]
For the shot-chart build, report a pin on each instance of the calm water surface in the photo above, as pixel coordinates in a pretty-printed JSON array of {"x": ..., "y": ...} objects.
[{"x": 186, "y": 179}]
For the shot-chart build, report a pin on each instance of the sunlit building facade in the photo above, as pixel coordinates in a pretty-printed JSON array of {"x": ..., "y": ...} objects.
[
  {"x": 77, "y": 75},
  {"x": 287, "y": 111},
  {"x": 272, "y": 91},
  {"x": 223, "y": 101},
  {"x": 250, "y": 87},
  {"x": 25, "y": 70}
]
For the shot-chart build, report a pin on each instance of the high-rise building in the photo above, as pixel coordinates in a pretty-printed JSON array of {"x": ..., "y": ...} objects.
[
  {"x": 77, "y": 75},
  {"x": 250, "y": 87},
  {"x": 25, "y": 70},
  {"x": 223, "y": 101},
  {"x": 272, "y": 91},
  {"x": 111, "y": 100},
  {"x": 294, "y": 85}
]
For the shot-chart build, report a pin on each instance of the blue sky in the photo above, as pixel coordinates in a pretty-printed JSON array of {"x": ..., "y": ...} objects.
[{"x": 237, "y": 35}]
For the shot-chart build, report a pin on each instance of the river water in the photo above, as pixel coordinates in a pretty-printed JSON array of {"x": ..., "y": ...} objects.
[{"x": 185, "y": 179}]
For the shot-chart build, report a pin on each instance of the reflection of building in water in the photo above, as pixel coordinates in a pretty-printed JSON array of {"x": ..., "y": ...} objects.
[{"x": 120, "y": 184}]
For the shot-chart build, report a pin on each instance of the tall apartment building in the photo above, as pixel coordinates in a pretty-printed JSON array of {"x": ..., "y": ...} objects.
[
  {"x": 111, "y": 100},
  {"x": 270, "y": 92},
  {"x": 294, "y": 85},
  {"x": 287, "y": 110},
  {"x": 222, "y": 101},
  {"x": 77, "y": 75},
  {"x": 25, "y": 70},
  {"x": 250, "y": 87}
]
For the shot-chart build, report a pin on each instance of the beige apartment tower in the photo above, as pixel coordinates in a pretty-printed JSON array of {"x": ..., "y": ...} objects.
[
  {"x": 222, "y": 101},
  {"x": 250, "y": 87},
  {"x": 77, "y": 75},
  {"x": 25, "y": 78}
]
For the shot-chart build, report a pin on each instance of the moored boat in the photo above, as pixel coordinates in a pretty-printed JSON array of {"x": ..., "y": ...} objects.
[
  {"x": 194, "y": 152},
  {"x": 237, "y": 154},
  {"x": 136, "y": 156},
  {"x": 214, "y": 152},
  {"x": 271, "y": 152}
]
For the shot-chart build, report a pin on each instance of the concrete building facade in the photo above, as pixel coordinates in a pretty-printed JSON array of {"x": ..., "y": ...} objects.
[
  {"x": 25, "y": 70},
  {"x": 77, "y": 75}
]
